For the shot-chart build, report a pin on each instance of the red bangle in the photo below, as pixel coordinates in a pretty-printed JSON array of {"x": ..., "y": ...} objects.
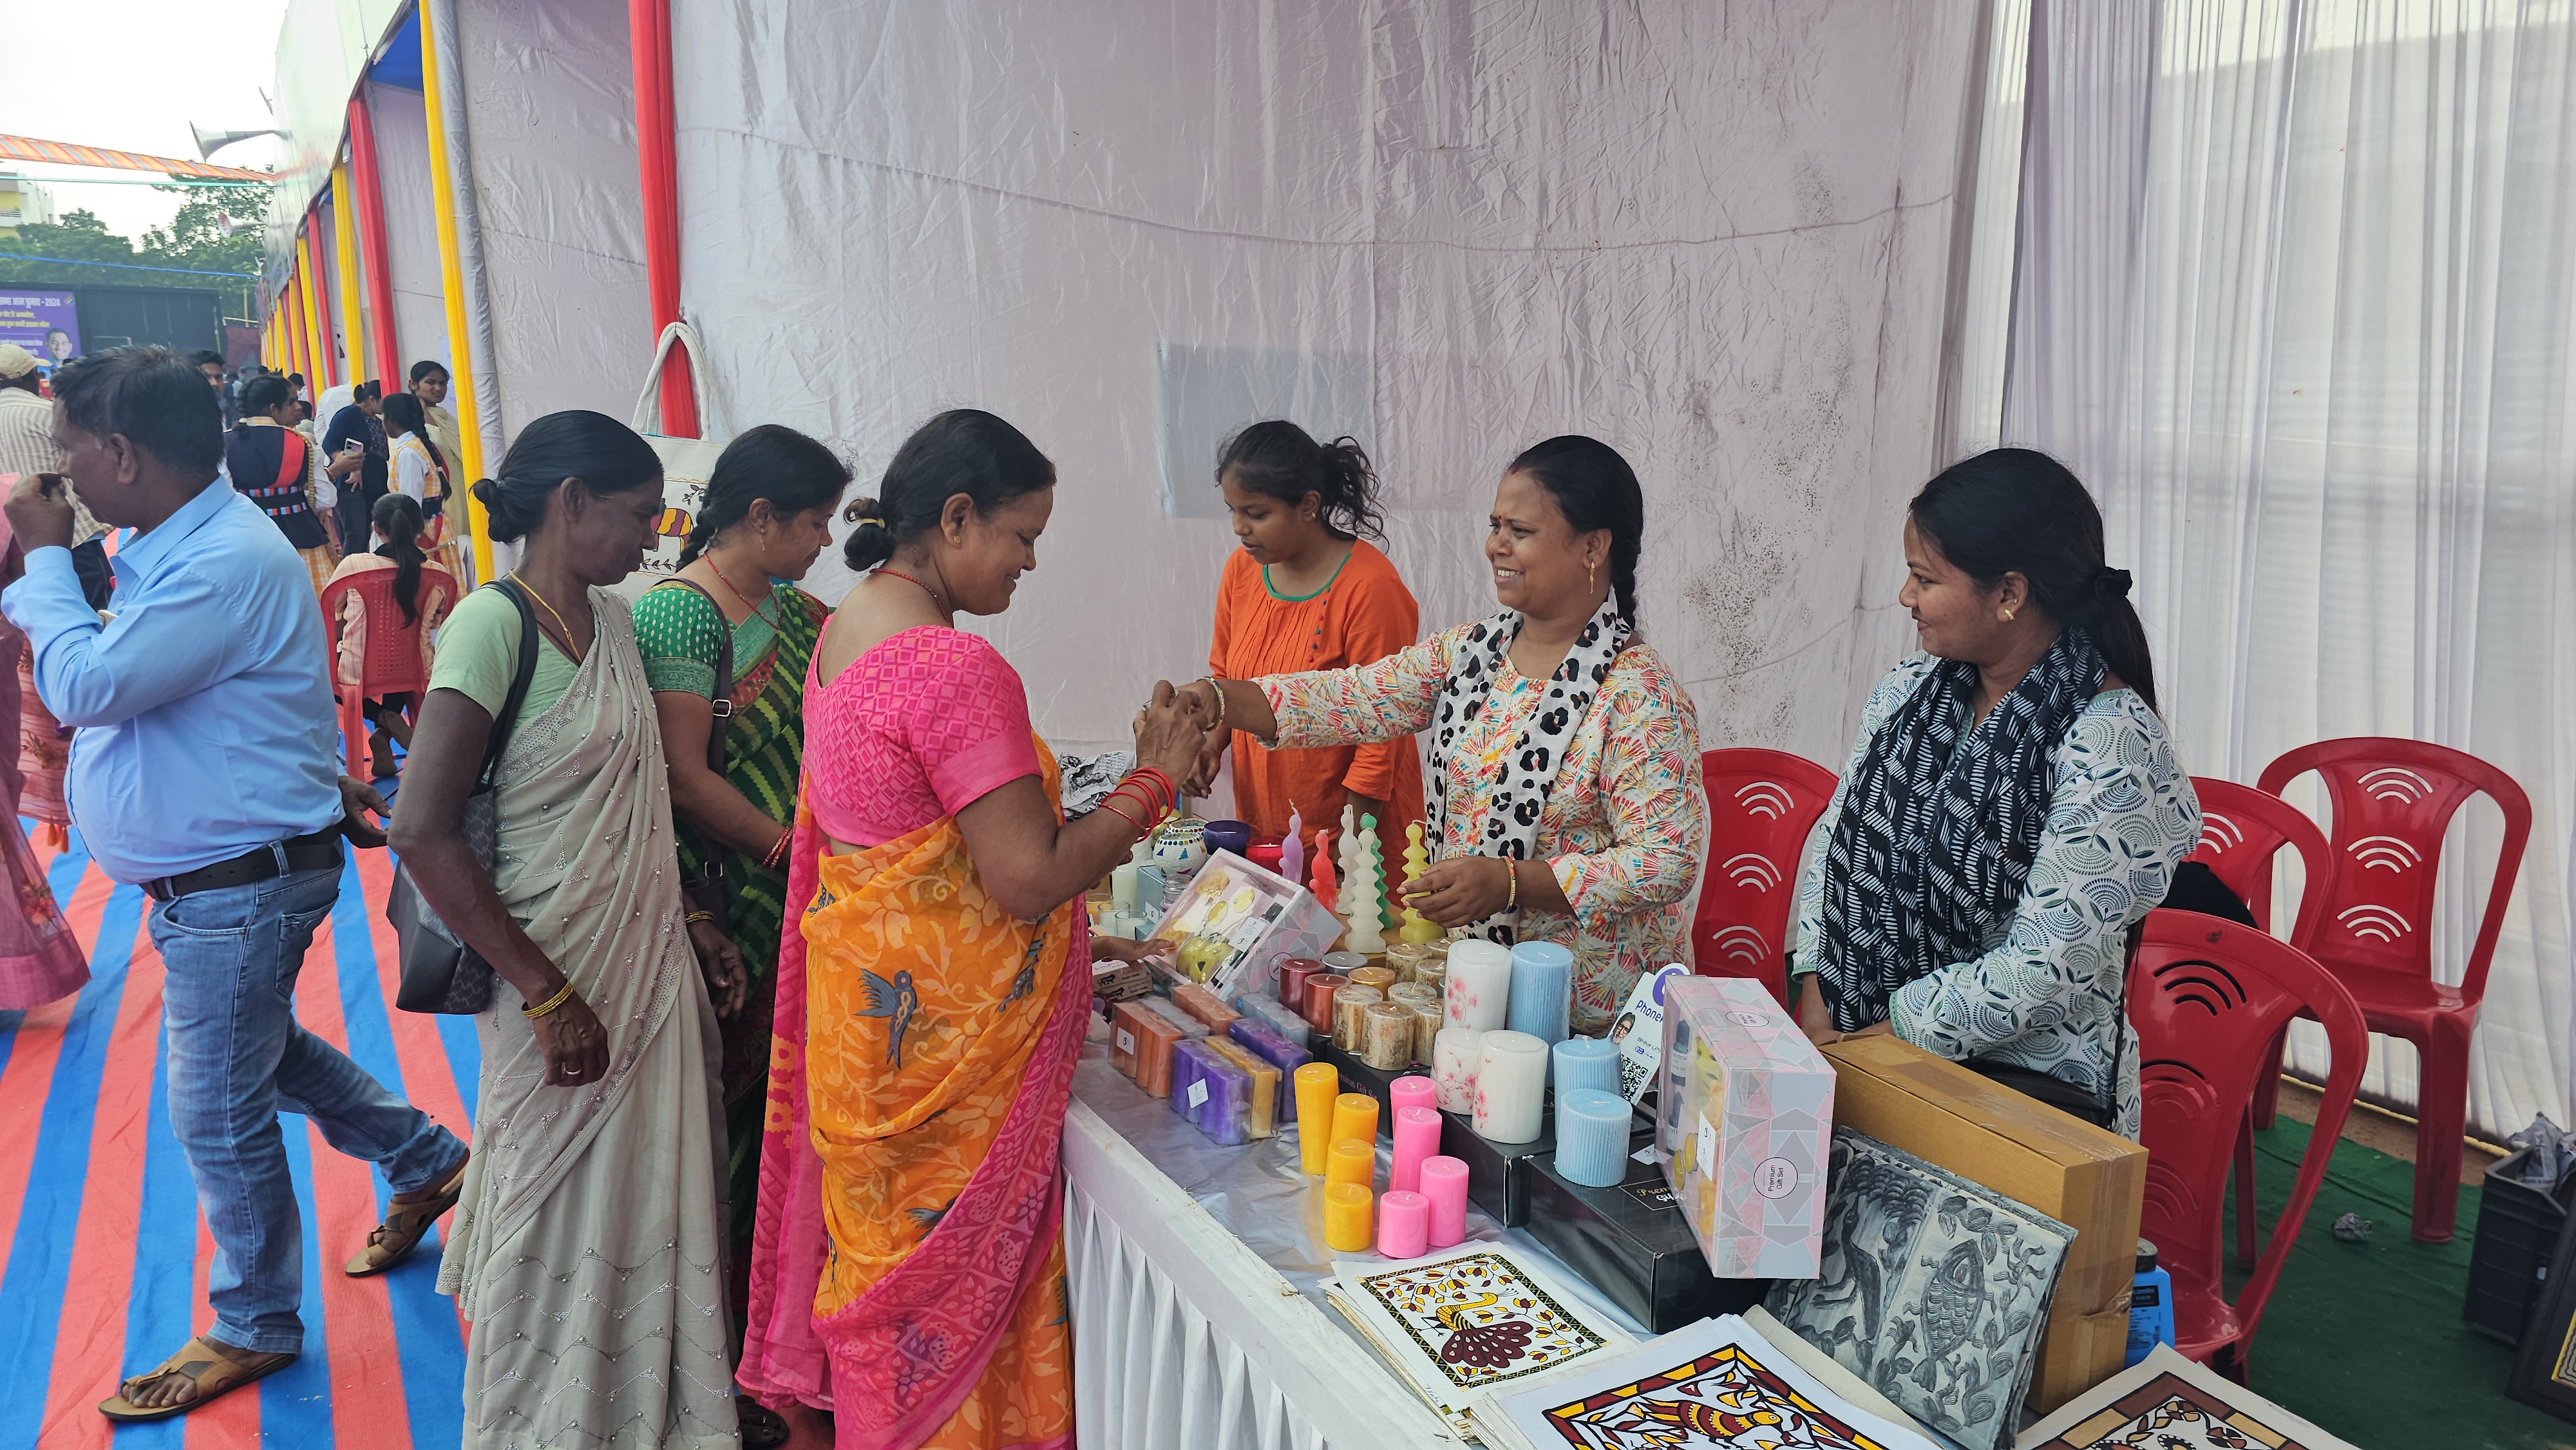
[
  {"x": 1107, "y": 804},
  {"x": 1153, "y": 809},
  {"x": 1156, "y": 795}
]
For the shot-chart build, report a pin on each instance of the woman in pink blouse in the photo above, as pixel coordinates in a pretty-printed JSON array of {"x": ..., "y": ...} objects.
[{"x": 1564, "y": 802}]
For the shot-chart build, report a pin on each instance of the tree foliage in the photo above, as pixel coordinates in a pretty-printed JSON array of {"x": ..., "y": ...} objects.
[{"x": 195, "y": 240}]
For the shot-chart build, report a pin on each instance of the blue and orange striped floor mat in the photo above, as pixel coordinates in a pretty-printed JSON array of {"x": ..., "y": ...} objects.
[{"x": 106, "y": 1252}]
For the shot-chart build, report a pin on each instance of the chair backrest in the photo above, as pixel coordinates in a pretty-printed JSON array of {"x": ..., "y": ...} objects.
[
  {"x": 1762, "y": 804},
  {"x": 392, "y": 660},
  {"x": 2392, "y": 801},
  {"x": 2207, "y": 995},
  {"x": 2242, "y": 831}
]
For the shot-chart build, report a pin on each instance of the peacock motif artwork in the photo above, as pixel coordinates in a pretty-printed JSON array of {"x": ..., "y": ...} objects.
[
  {"x": 1933, "y": 1289},
  {"x": 1480, "y": 1318}
]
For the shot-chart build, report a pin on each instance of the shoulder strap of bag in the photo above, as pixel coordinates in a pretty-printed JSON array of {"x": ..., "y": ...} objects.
[
  {"x": 508, "y": 719},
  {"x": 291, "y": 461},
  {"x": 723, "y": 702}
]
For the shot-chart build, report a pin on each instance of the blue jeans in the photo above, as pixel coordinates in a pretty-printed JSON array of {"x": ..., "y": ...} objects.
[{"x": 237, "y": 1057}]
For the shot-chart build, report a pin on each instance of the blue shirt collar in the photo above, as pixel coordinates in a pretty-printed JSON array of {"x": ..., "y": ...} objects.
[{"x": 145, "y": 555}]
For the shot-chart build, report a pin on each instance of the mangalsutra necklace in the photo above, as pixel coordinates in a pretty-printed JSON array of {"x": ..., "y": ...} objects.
[
  {"x": 718, "y": 570},
  {"x": 549, "y": 609},
  {"x": 936, "y": 601}
]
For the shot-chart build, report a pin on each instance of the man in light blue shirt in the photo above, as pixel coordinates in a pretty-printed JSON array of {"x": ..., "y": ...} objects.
[{"x": 205, "y": 771}]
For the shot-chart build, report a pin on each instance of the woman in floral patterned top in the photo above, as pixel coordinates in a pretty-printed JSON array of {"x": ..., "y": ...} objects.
[
  {"x": 1564, "y": 799},
  {"x": 2012, "y": 807}
]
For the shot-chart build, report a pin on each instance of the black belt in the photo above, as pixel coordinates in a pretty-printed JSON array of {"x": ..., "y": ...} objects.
[{"x": 317, "y": 852}]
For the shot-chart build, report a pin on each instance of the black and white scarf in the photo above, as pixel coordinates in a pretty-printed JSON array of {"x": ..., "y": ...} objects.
[
  {"x": 1939, "y": 823},
  {"x": 1529, "y": 772}
]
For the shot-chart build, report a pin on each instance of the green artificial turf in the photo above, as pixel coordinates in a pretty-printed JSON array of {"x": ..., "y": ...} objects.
[{"x": 2366, "y": 1339}]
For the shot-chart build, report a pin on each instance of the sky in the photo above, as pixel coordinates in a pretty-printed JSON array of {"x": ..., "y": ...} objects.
[{"x": 131, "y": 74}]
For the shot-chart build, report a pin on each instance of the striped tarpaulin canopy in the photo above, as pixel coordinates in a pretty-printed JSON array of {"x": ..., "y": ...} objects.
[{"x": 28, "y": 148}]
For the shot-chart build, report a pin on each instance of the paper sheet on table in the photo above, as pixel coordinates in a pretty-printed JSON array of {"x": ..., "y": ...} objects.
[{"x": 1460, "y": 1323}]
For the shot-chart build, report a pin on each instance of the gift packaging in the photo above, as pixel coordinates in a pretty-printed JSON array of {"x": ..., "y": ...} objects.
[
  {"x": 1746, "y": 1119},
  {"x": 1276, "y": 1015},
  {"x": 1630, "y": 1242},
  {"x": 1262, "y": 917}
]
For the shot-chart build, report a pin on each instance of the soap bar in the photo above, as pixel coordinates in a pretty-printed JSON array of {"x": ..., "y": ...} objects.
[
  {"x": 1269, "y": 1046},
  {"x": 1123, "y": 1040},
  {"x": 1204, "y": 1005},
  {"x": 1188, "y": 1068},
  {"x": 1218, "y": 1095},
  {"x": 1349, "y": 1001},
  {"x": 1187, "y": 1025},
  {"x": 1276, "y": 1015},
  {"x": 1156, "y": 1034},
  {"x": 1261, "y": 1110}
]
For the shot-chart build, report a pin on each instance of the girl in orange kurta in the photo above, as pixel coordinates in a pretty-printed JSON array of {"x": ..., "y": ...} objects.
[{"x": 1307, "y": 591}]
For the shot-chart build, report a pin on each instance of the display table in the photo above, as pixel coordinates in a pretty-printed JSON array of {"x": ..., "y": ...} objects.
[{"x": 1198, "y": 1321}]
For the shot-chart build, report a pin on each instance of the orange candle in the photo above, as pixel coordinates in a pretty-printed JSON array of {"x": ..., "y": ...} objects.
[
  {"x": 1354, "y": 1116},
  {"x": 1317, "y": 1085},
  {"x": 1352, "y": 1161},
  {"x": 1346, "y": 1218}
]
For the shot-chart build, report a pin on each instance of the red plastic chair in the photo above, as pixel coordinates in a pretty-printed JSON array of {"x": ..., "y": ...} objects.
[
  {"x": 392, "y": 662},
  {"x": 1761, "y": 805},
  {"x": 2207, "y": 995},
  {"x": 2393, "y": 799}
]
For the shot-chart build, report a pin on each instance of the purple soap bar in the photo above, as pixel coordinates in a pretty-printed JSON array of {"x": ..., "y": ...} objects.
[
  {"x": 1189, "y": 1062},
  {"x": 1269, "y": 1046},
  {"x": 1218, "y": 1094}
]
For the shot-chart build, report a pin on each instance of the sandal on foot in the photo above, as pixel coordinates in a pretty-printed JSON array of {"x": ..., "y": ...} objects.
[
  {"x": 392, "y": 1241},
  {"x": 211, "y": 1369},
  {"x": 761, "y": 1426}
]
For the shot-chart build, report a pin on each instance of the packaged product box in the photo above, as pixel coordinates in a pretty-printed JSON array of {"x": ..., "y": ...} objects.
[
  {"x": 1235, "y": 922},
  {"x": 2088, "y": 1178},
  {"x": 1745, "y": 1124}
]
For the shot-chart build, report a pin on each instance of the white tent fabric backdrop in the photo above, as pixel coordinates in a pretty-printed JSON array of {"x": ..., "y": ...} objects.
[
  {"x": 2294, "y": 297},
  {"x": 411, "y": 228},
  {"x": 1718, "y": 237}
]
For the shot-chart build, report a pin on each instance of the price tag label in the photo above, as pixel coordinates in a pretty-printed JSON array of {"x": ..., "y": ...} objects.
[
  {"x": 1126, "y": 1042},
  {"x": 1707, "y": 1147},
  {"x": 1198, "y": 1093}
]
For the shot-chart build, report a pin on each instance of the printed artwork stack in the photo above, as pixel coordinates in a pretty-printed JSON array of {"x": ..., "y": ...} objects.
[
  {"x": 1461, "y": 1324},
  {"x": 2166, "y": 1402}
]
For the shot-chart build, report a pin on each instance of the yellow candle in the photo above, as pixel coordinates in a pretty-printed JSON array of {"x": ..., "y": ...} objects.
[
  {"x": 1346, "y": 1218},
  {"x": 1317, "y": 1085},
  {"x": 1353, "y": 1160},
  {"x": 1354, "y": 1116}
]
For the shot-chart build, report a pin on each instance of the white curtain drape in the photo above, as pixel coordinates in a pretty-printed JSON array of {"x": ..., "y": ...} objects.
[{"x": 2296, "y": 294}]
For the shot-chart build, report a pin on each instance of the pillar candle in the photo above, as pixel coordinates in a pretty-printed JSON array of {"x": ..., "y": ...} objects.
[
  {"x": 1318, "y": 1005},
  {"x": 1346, "y": 1218},
  {"x": 1444, "y": 1186},
  {"x": 1592, "y": 1136},
  {"x": 1542, "y": 990},
  {"x": 1432, "y": 974},
  {"x": 1455, "y": 1056},
  {"x": 1317, "y": 1086},
  {"x": 1122, "y": 887},
  {"x": 1352, "y": 1160},
  {"x": 1413, "y": 1091},
  {"x": 1417, "y": 1136},
  {"x": 1412, "y": 994},
  {"x": 1355, "y": 1116},
  {"x": 1403, "y": 1224},
  {"x": 1428, "y": 1019},
  {"x": 1344, "y": 962},
  {"x": 1380, "y": 978},
  {"x": 1386, "y": 1036},
  {"x": 1511, "y": 1088},
  {"x": 1292, "y": 978},
  {"x": 1586, "y": 1062},
  {"x": 1480, "y": 985},
  {"x": 1350, "y": 1000},
  {"x": 1266, "y": 1043},
  {"x": 1403, "y": 958}
]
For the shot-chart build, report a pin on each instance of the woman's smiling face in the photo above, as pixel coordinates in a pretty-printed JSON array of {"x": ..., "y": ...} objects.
[
  {"x": 1539, "y": 561},
  {"x": 1955, "y": 617}
]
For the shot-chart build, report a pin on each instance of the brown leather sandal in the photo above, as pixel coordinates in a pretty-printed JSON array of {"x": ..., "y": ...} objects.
[
  {"x": 211, "y": 1368},
  {"x": 392, "y": 1241}
]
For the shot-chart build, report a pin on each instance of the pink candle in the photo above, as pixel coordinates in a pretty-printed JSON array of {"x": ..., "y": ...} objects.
[
  {"x": 1444, "y": 1183},
  {"x": 1415, "y": 1091},
  {"x": 1417, "y": 1136},
  {"x": 1403, "y": 1224}
]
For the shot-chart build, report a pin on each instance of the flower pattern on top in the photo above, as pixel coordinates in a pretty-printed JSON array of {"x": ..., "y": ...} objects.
[{"x": 2047, "y": 992}]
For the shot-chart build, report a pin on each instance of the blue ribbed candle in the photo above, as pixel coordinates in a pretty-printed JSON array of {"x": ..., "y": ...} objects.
[
  {"x": 1542, "y": 990},
  {"x": 1592, "y": 1137},
  {"x": 1586, "y": 1062}
]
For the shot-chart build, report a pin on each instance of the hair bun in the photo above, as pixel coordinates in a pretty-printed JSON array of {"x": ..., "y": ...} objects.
[{"x": 864, "y": 511}]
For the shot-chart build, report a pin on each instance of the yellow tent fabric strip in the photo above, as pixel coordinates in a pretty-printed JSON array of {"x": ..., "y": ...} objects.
[{"x": 346, "y": 284}]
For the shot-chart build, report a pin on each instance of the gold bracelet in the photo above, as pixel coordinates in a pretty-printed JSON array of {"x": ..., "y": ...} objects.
[
  {"x": 1217, "y": 689},
  {"x": 694, "y": 917},
  {"x": 1513, "y": 901},
  {"x": 551, "y": 1003}
]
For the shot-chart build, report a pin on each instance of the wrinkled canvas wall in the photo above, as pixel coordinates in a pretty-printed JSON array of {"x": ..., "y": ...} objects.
[{"x": 1717, "y": 237}]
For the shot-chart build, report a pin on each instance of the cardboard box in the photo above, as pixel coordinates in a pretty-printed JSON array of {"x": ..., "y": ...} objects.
[
  {"x": 2088, "y": 1178},
  {"x": 1263, "y": 917},
  {"x": 1750, "y": 1110},
  {"x": 1630, "y": 1242}
]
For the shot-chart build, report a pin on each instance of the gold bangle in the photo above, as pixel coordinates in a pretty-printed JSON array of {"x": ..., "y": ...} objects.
[
  {"x": 1216, "y": 688},
  {"x": 694, "y": 917},
  {"x": 1513, "y": 870},
  {"x": 551, "y": 1003}
]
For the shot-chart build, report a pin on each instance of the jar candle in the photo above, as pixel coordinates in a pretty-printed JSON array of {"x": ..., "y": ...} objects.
[
  {"x": 1542, "y": 990},
  {"x": 1417, "y": 1136},
  {"x": 1444, "y": 1186},
  {"x": 1479, "y": 986},
  {"x": 1592, "y": 1136},
  {"x": 1346, "y": 1218},
  {"x": 1386, "y": 1036},
  {"x": 1380, "y": 978},
  {"x": 1403, "y": 1224},
  {"x": 1350, "y": 1000},
  {"x": 1355, "y": 1116},
  {"x": 1455, "y": 1056},
  {"x": 1428, "y": 1020},
  {"x": 1318, "y": 1006},
  {"x": 1292, "y": 978},
  {"x": 1235, "y": 836},
  {"x": 1511, "y": 1088},
  {"x": 1586, "y": 1062},
  {"x": 1317, "y": 1086},
  {"x": 1352, "y": 1160},
  {"x": 1344, "y": 963}
]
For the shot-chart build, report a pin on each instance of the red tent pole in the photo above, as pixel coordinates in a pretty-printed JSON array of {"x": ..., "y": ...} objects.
[
  {"x": 657, "y": 154},
  {"x": 371, "y": 231}
]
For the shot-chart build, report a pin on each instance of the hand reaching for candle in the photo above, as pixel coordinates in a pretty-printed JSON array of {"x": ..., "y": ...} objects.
[{"x": 1461, "y": 891}]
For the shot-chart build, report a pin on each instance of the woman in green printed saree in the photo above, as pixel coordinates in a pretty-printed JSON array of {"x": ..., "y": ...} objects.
[{"x": 766, "y": 517}]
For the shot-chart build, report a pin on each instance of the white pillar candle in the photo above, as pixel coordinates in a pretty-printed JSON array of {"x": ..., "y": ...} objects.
[
  {"x": 1511, "y": 1088},
  {"x": 1479, "y": 988},
  {"x": 1455, "y": 1056},
  {"x": 1122, "y": 887}
]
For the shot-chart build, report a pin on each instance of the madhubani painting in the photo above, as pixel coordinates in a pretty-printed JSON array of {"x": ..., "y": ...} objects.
[
  {"x": 1479, "y": 1319},
  {"x": 1727, "y": 1398},
  {"x": 1933, "y": 1289},
  {"x": 2170, "y": 1413}
]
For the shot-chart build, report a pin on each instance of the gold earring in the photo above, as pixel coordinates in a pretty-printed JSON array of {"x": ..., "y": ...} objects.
[
  {"x": 2008, "y": 614},
  {"x": 1590, "y": 581}
]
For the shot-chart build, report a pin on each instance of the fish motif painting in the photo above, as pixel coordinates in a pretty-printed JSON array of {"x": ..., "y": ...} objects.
[
  {"x": 1480, "y": 1319},
  {"x": 1934, "y": 1290}
]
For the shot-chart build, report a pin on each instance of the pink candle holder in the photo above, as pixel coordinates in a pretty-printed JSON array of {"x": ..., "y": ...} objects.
[
  {"x": 1403, "y": 1224},
  {"x": 1444, "y": 1184}
]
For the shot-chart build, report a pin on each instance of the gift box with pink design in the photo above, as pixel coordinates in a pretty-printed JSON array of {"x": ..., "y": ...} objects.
[{"x": 1745, "y": 1119}]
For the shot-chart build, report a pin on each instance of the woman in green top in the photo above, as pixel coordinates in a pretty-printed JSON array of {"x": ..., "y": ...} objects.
[{"x": 766, "y": 517}]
